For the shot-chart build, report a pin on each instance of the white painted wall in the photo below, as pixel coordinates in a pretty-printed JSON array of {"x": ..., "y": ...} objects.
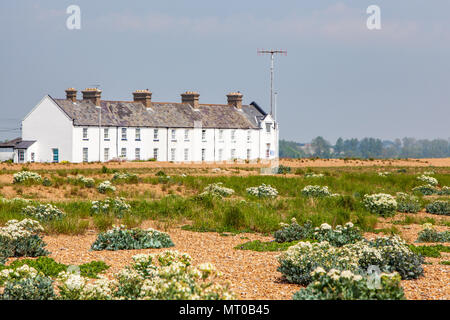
[{"x": 51, "y": 128}]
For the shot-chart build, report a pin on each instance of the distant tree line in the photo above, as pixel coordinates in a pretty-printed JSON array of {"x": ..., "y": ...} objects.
[{"x": 367, "y": 148}]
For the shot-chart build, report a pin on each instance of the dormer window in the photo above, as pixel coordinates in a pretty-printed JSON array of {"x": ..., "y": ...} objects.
[{"x": 268, "y": 127}]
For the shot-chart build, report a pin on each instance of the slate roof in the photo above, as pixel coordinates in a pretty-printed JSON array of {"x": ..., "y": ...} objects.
[
  {"x": 17, "y": 143},
  {"x": 161, "y": 114}
]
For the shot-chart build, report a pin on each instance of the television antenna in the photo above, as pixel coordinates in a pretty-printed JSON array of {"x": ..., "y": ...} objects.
[{"x": 272, "y": 55}]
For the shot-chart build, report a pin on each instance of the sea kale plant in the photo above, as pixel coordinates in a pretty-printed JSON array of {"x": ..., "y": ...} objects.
[
  {"x": 263, "y": 191},
  {"x": 381, "y": 203},
  {"x": 314, "y": 175},
  {"x": 445, "y": 191},
  {"x": 316, "y": 191},
  {"x": 117, "y": 207},
  {"x": 388, "y": 254},
  {"x": 339, "y": 236},
  {"x": 346, "y": 285},
  {"x": 407, "y": 203},
  {"x": 26, "y": 177},
  {"x": 217, "y": 190},
  {"x": 294, "y": 231},
  {"x": 426, "y": 190},
  {"x": 428, "y": 234},
  {"x": 336, "y": 237},
  {"x": 43, "y": 212},
  {"x": 25, "y": 283},
  {"x": 21, "y": 239},
  {"x": 428, "y": 180},
  {"x": 121, "y": 238},
  {"x": 440, "y": 207},
  {"x": 125, "y": 177},
  {"x": 106, "y": 187},
  {"x": 82, "y": 181}
]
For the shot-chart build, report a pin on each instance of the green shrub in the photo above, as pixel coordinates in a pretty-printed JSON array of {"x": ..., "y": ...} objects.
[
  {"x": 294, "y": 231},
  {"x": 388, "y": 253},
  {"x": 234, "y": 217},
  {"x": 407, "y": 203},
  {"x": 117, "y": 207},
  {"x": 47, "y": 182},
  {"x": 33, "y": 288},
  {"x": 426, "y": 190},
  {"x": 263, "y": 191},
  {"x": 316, "y": 191},
  {"x": 26, "y": 177},
  {"x": 381, "y": 203},
  {"x": 284, "y": 169},
  {"x": 43, "y": 212},
  {"x": 125, "y": 177},
  {"x": 106, "y": 187},
  {"x": 345, "y": 285},
  {"x": 445, "y": 191},
  {"x": 428, "y": 234},
  {"x": 217, "y": 190},
  {"x": 440, "y": 207},
  {"x": 120, "y": 238},
  {"x": 21, "y": 239},
  {"x": 337, "y": 237}
]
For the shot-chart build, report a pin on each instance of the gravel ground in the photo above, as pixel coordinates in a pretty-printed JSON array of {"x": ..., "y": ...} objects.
[{"x": 252, "y": 275}]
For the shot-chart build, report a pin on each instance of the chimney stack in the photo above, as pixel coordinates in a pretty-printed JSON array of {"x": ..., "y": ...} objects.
[
  {"x": 143, "y": 96},
  {"x": 71, "y": 94},
  {"x": 190, "y": 97},
  {"x": 92, "y": 94},
  {"x": 235, "y": 99}
]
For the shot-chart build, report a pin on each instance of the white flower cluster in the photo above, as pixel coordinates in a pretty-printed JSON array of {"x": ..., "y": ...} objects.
[
  {"x": 43, "y": 212},
  {"x": 19, "y": 273},
  {"x": 296, "y": 262},
  {"x": 428, "y": 173},
  {"x": 118, "y": 206},
  {"x": 75, "y": 287},
  {"x": 15, "y": 200},
  {"x": 124, "y": 176},
  {"x": 384, "y": 174},
  {"x": 428, "y": 180},
  {"x": 106, "y": 186},
  {"x": 314, "y": 175},
  {"x": 87, "y": 182},
  {"x": 23, "y": 176},
  {"x": 380, "y": 203},
  {"x": 15, "y": 229},
  {"x": 263, "y": 191},
  {"x": 317, "y": 191},
  {"x": 217, "y": 189},
  {"x": 165, "y": 276}
]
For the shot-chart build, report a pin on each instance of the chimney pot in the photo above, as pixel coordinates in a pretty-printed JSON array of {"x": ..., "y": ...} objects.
[
  {"x": 92, "y": 94},
  {"x": 191, "y": 97},
  {"x": 143, "y": 96},
  {"x": 71, "y": 94},
  {"x": 235, "y": 99}
]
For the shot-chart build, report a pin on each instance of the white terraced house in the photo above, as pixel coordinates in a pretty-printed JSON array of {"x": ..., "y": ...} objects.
[{"x": 92, "y": 129}]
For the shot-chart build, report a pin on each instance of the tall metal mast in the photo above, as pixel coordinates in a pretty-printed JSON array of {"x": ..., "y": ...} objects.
[{"x": 272, "y": 54}]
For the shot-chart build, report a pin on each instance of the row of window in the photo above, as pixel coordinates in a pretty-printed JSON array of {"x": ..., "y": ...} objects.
[
  {"x": 137, "y": 134},
  {"x": 137, "y": 154}
]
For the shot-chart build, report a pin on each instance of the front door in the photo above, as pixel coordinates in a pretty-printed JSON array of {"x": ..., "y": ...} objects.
[
  {"x": 55, "y": 155},
  {"x": 21, "y": 155}
]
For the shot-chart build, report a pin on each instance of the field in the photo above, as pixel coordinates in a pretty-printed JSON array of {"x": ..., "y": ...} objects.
[{"x": 215, "y": 229}]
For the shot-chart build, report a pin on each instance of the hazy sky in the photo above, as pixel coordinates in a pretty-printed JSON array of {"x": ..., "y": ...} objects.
[{"x": 338, "y": 79}]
